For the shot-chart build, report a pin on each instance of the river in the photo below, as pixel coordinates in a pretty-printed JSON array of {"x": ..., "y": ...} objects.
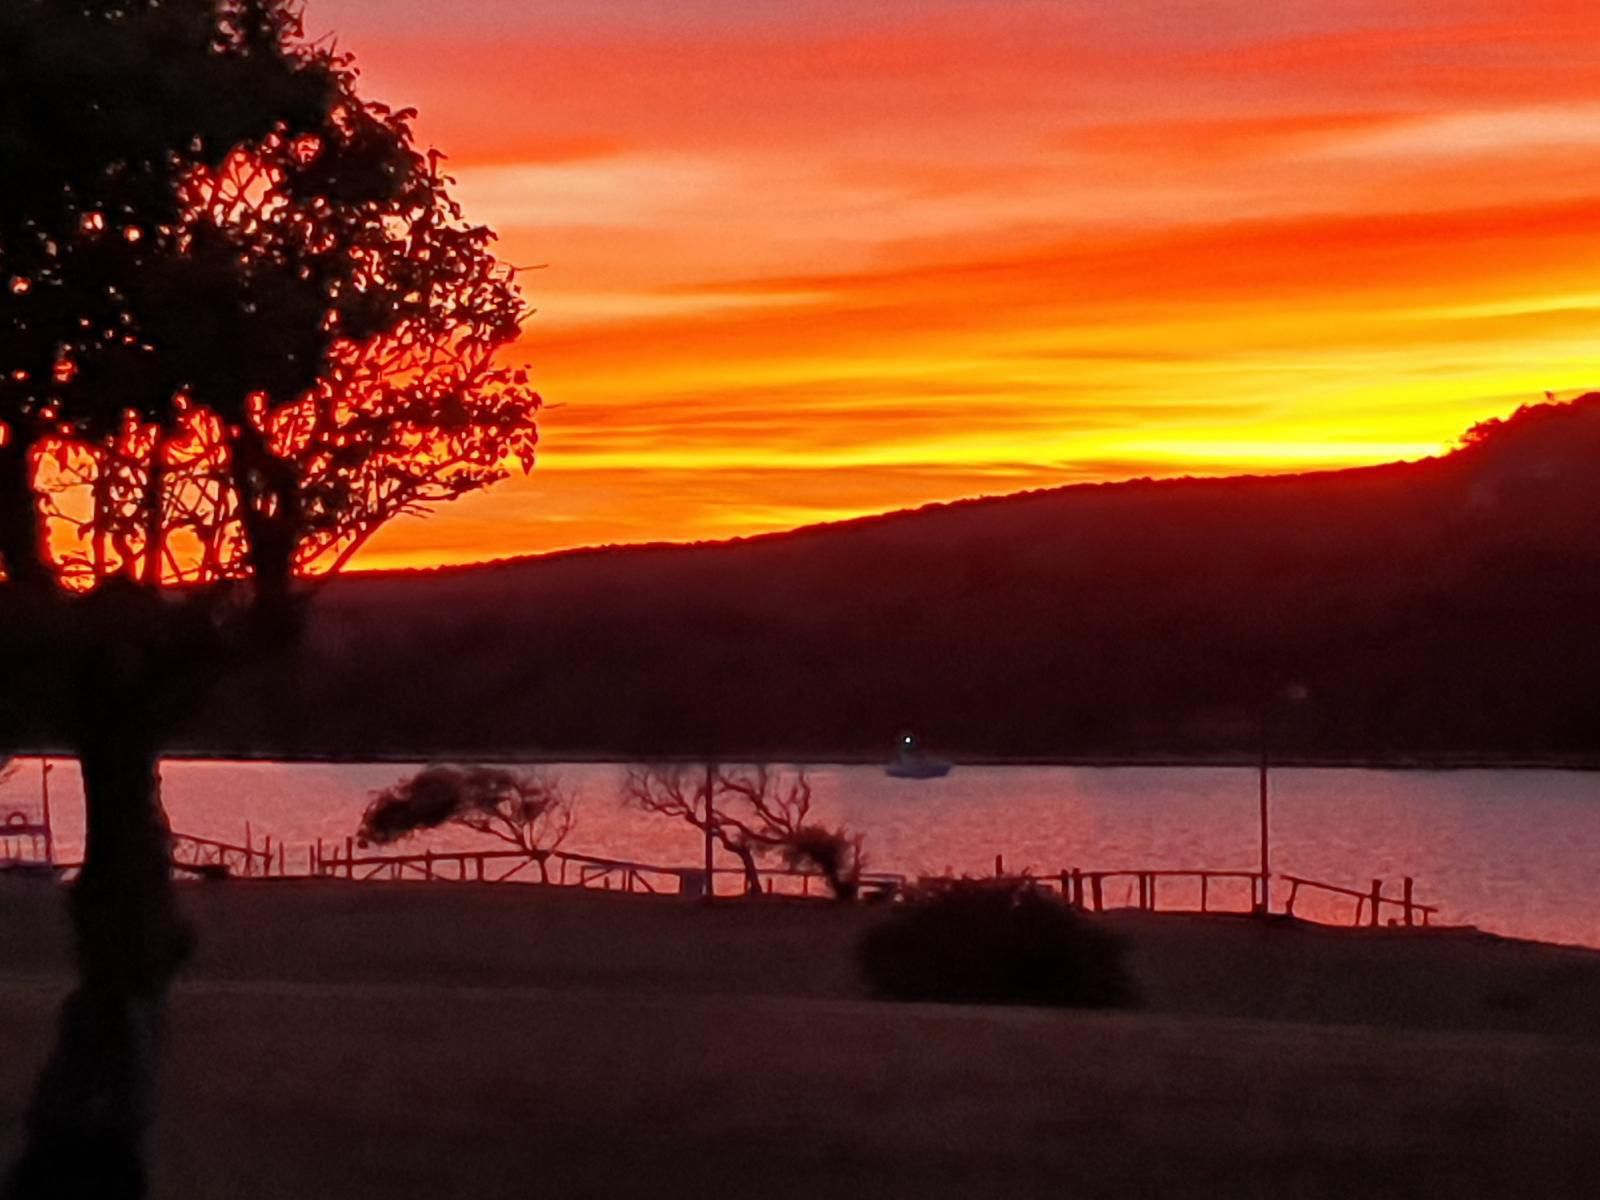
[{"x": 1516, "y": 852}]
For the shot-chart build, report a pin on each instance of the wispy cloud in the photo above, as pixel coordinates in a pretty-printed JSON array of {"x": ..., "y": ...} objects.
[{"x": 815, "y": 257}]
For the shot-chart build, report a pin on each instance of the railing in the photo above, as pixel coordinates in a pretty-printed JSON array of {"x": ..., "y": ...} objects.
[
  {"x": 563, "y": 868},
  {"x": 209, "y": 857},
  {"x": 491, "y": 866},
  {"x": 1370, "y": 902},
  {"x": 1085, "y": 890},
  {"x": 23, "y": 841},
  {"x": 873, "y": 885}
]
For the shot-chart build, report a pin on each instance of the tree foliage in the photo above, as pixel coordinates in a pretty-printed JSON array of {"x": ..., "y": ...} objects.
[
  {"x": 527, "y": 809},
  {"x": 242, "y": 322},
  {"x": 834, "y": 854},
  {"x": 242, "y": 325},
  {"x": 753, "y": 811}
]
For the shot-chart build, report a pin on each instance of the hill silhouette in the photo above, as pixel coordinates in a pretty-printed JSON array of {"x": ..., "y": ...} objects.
[{"x": 1436, "y": 609}]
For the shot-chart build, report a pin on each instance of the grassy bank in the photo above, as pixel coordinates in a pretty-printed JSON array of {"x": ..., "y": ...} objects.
[{"x": 408, "y": 1040}]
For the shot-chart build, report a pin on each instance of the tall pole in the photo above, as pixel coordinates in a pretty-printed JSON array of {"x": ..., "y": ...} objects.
[
  {"x": 711, "y": 780},
  {"x": 44, "y": 802},
  {"x": 1266, "y": 862},
  {"x": 1264, "y": 906}
]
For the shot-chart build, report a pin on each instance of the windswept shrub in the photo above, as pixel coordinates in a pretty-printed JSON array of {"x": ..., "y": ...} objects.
[
  {"x": 526, "y": 809},
  {"x": 832, "y": 853},
  {"x": 979, "y": 942}
]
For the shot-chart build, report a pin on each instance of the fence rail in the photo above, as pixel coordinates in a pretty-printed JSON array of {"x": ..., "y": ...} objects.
[
  {"x": 1087, "y": 891},
  {"x": 558, "y": 867},
  {"x": 23, "y": 841},
  {"x": 208, "y": 856},
  {"x": 1370, "y": 902},
  {"x": 1084, "y": 890},
  {"x": 491, "y": 866}
]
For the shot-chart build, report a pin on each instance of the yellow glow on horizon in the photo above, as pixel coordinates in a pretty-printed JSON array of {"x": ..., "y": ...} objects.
[
  {"x": 805, "y": 262},
  {"x": 1283, "y": 455}
]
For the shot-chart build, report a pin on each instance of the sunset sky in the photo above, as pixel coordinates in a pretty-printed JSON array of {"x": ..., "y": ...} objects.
[{"x": 815, "y": 258}]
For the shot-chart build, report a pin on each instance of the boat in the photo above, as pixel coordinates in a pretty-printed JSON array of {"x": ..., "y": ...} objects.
[{"x": 912, "y": 762}]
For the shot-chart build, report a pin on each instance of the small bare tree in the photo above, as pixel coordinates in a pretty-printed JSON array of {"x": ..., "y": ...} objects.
[
  {"x": 527, "y": 809},
  {"x": 751, "y": 811}
]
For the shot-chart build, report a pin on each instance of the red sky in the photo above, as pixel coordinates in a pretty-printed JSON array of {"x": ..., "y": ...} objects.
[{"x": 814, "y": 258}]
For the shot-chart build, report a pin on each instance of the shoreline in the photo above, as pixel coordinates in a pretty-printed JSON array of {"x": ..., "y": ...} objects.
[{"x": 1227, "y": 761}]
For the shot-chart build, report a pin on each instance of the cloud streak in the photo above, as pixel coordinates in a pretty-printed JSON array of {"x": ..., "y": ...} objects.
[{"x": 811, "y": 259}]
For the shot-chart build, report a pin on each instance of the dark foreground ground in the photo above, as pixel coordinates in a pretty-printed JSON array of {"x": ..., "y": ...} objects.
[{"x": 414, "y": 1041}]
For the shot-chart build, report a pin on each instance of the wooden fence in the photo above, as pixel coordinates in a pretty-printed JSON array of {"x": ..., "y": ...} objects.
[
  {"x": 1091, "y": 891},
  {"x": 24, "y": 842},
  {"x": 1369, "y": 902},
  {"x": 209, "y": 857},
  {"x": 558, "y": 867},
  {"x": 1087, "y": 891}
]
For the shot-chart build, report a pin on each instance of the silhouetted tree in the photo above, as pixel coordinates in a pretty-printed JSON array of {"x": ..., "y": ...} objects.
[
  {"x": 833, "y": 853},
  {"x": 242, "y": 325},
  {"x": 528, "y": 809},
  {"x": 752, "y": 811}
]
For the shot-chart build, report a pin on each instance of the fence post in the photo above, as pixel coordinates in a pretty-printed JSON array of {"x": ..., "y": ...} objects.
[
  {"x": 1094, "y": 885},
  {"x": 1205, "y": 880},
  {"x": 350, "y": 858},
  {"x": 999, "y": 865},
  {"x": 1407, "y": 889},
  {"x": 1377, "y": 897},
  {"x": 427, "y": 863}
]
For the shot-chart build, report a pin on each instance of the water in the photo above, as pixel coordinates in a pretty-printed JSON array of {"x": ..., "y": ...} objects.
[{"x": 1517, "y": 852}]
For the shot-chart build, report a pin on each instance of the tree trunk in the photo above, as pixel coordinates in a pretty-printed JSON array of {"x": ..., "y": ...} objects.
[
  {"x": 21, "y": 550},
  {"x": 92, "y": 1106},
  {"x": 752, "y": 875}
]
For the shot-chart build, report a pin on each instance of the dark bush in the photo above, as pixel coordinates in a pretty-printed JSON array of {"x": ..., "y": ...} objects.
[
  {"x": 833, "y": 853},
  {"x": 976, "y": 942}
]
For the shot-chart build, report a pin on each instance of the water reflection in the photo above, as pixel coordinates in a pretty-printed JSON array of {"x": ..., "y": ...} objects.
[{"x": 1513, "y": 851}]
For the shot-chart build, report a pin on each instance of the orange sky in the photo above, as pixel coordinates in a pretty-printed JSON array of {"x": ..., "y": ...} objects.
[{"x": 806, "y": 263}]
